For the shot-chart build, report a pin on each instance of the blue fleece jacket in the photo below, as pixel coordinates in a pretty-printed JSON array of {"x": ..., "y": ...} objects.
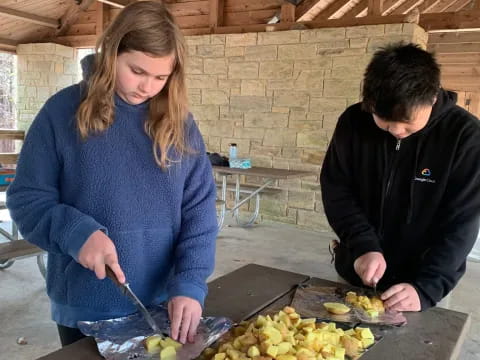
[{"x": 163, "y": 223}]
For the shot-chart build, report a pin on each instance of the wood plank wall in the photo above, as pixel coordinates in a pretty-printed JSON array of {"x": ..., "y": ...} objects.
[{"x": 459, "y": 55}]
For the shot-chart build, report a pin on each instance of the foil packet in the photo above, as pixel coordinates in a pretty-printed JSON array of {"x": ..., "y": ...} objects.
[
  {"x": 122, "y": 338},
  {"x": 309, "y": 300}
]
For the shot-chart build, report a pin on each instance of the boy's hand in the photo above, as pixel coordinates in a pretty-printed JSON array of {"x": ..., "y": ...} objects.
[
  {"x": 401, "y": 297},
  {"x": 184, "y": 314},
  {"x": 370, "y": 267}
]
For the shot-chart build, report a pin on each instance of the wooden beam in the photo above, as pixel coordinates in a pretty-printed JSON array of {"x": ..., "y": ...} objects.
[
  {"x": 117, "y": 3},
  {"x": 12, "y": 134},
  {"x": 8, "y": 44},
  {"x": 357, "y": 9},
  {"x": 71, "y": 16},
  {"x": 217, "y": 10},
  {"x": 476, "y": 4},
  {"x": 78, "y": 41},
  {"x": 375, "y": 7},
  {"x": 302, "y": 11},
  {"x": 427, "y": 5},
  {"x": 287, "y": 13},
  {"x": 331, "y": 9},
  {"x": 23, "y": 16},
  {"x": 406, "y": 7},
  {"x": 101, "y": 15},
  {"x": 459, "y": 5},
  {"x": 451, "y": 20},
  {"x": 441, "y": 6}
]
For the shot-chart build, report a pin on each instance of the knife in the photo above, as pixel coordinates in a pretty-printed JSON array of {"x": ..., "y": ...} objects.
[{"x": 127, "y": 291}]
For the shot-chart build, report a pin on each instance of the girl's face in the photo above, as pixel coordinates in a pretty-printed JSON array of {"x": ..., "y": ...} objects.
[{"x": 141, "y": 76}]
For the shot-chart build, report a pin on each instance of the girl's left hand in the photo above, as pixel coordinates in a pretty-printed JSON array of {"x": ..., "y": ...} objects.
[
  {"x": 401, "y": 297},
  {"x": 184, "y": 314}
]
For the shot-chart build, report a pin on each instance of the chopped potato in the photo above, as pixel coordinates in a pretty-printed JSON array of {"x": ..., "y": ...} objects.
[
  {"x": 286, "y": 336},
  {"x": 168, "y": 353},
  {"x": 156, "y": 344},
  {"x": 372, "y": 306},
  {"x": 336, "y": 308}
]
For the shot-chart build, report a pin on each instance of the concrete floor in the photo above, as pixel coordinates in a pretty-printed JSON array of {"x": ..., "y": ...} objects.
[{"x": 24, "y": 307}]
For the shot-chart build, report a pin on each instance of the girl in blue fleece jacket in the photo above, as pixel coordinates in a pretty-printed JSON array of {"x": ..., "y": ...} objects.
[{"x": 113, "y": 172}]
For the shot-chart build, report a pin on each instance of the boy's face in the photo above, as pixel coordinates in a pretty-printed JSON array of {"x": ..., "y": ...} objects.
[
  {"x": 141, "y": 76},
  {"x": 402, "y": 129}
]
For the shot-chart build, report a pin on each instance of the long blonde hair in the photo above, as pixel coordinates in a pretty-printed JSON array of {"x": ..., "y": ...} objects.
[{"x": 148, "y": 27}]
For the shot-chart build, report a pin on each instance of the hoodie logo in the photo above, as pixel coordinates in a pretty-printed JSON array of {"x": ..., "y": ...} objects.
[
  {"x": 425, "y": 176},
  {"x": 426, "y": 172}
]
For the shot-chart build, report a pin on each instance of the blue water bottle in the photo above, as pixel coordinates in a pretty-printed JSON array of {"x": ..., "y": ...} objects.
[{"x": 233, "y": 151}]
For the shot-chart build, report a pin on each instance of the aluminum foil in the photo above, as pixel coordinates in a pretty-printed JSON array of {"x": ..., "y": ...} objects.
[
  {"x": 122, "y": 338},
  {"x": 308, "y": 301}
]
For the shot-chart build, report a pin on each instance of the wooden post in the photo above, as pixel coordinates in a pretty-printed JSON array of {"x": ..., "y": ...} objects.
[
  {"x": 101, "y": 18},
  {"x": 288, "y": 12},
  {"x": 216, "y": 14},
  {"x": 375, "y": 7}
]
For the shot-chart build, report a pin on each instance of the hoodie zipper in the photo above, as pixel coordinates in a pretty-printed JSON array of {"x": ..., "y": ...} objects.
[{"x": 391, "y": 175}]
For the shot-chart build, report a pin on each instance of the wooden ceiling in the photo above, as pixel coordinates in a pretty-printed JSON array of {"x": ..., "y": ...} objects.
[{"x": 79, "y": 22}]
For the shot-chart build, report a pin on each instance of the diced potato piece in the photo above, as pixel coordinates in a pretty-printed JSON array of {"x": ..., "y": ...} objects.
[
  {"x": 336, "y": 308},
  {"x": 352, "y": 346},
  {"x": 168, "y": 353},
  {"x": 272, "y": 351},
  {"x": 166, "y": 342},
  {"x": 220, "y": 356},
  {"x": 272, "y": 334},
  {"x": 372, "y": 313},
  {"x": 366, "y": 342},
  {"x": 364, "y": 333},
  {"x": 284, "y": 347},
  {"x": 286, "y": 357},
  {"x": 152, "y": 344},
  {"x": 253, "y": 351}
]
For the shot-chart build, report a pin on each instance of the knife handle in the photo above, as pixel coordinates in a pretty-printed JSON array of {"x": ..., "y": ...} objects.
[{"x": 111, "y": 275}]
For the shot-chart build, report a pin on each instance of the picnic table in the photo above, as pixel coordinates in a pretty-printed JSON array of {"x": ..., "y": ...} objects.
[
  {"x": 433, "y": 334},
  {"x": 268, "y": 176}
]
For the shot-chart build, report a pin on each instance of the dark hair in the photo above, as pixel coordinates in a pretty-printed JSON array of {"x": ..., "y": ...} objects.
[{"x": 399, "y": 78}]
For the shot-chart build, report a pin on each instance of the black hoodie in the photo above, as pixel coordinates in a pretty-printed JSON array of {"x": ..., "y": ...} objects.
[{"x": 416, "y": 200}]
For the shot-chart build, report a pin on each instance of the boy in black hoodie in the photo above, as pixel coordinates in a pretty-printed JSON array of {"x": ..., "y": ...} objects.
[{"x": 401, "y": 182}]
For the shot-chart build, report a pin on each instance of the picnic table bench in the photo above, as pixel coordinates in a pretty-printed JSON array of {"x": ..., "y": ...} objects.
[
  {"x": 268, "y": 176},
  {"x": 433, "y": 334}
]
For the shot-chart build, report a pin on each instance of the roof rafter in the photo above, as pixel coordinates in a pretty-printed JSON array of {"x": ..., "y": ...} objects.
[
  {"x": 21, "y": 15},
  {"x": 331, "y": 9},
  {"x": 441, "y": 6},
  {"x": 459, "y": 5},
  {"x": 406, "y": 7},
  {"x": 357, "y": 9},
  {"x": 217, "y": 9},
  {"x": 305, "y": 8},
  {"x": 375, "y": 7}
]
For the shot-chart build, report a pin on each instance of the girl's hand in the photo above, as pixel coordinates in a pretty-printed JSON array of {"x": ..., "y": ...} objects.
[
  {"x": 99, "y": 251},
  {"x": 184, "y": 314}
]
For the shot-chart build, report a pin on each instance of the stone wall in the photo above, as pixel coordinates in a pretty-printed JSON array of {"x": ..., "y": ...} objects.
[
  {"x": 278, "y": 96},
  {"x": 43, "y": 69}
]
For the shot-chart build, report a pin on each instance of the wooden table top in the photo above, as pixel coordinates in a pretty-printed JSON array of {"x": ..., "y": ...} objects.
[
  {"x": 433, "y": 334},
  {"x": 263, "y": 172}
]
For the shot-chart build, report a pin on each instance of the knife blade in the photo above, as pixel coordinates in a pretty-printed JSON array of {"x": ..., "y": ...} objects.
[{"x": 128, "y": 292}]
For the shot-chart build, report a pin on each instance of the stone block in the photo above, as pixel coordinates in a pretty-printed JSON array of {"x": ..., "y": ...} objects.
[
  {"x": 297, "y": 99},
  {"x": 194, "y": 66},
  {"x": 330, "y": 121},
  {"x": 217, "y": 39},
  {"x": 215, "y": 66},
  {"x": 313, "y": 139},
  {"x": 243, "y": 70},
  {"x": 276, "y": 69},
  {"x": 280, "y": 137},
  {"x": 280, "y": 37},
  {"x": 198, "y": 40},
  {"x": 248, "y": 133},
  {"x": 319, "y": 63},
  {"x": 393, "y": 29},
  {"x": 23, "y": 49},
  {"x": 205, "y": 112},
  {"x": 301, "y": 200},
  {"x": 298, "y": 51},
  {"x": 374, "y": 43},
  {"x": 365, "y": 31},
  {"x": 43, "y": 66},
  {"x": 211, "y": 50},
  {"x": 214, "y": 97},
  {"x": 341, "y": 88},
  {"x": 43, "y": 48},
  {"x": 266, "y": 120},
  {"x": 222, "y": 129},
  {"x": 312, "y": 220},
  {"x": 235, "y": 51},
  {"x": 310, "y": 80},
  {"x": 305, "y": 125},
  {"x": 244, "y": 39},
  {"x": 229, "y": 83},
  {"x": 327, "y": 105},
  {"x": 64, "y": 51},
  {"x": 261, "y": 52},
  {"x": 313, "y": 157},
  {"x": 320, "y": 35},
  {"x": 201, "y": 81},
  {"x": 269, "y": 151},
  {"x": 252, "y": 87},
  {"x": 250, "y": 103},
  {"x": 358, "y": 43},
  {"x": 280, "y": 84}
]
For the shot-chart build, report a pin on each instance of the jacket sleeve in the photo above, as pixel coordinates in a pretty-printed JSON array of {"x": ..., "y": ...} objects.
[
  {"x": 194, "y": 257},
  {"x": 343, "y": 211},
  {"x": 34, "y": 199},
  {"x": 458, "y": 223}
]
